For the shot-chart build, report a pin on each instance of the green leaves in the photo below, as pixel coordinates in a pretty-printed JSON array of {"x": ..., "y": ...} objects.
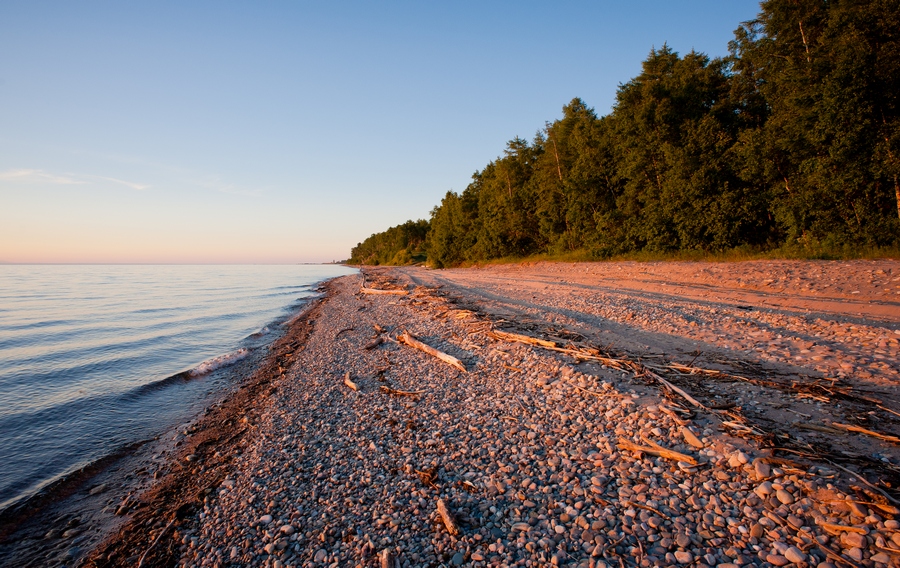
[{"x": 792, "y": 140}]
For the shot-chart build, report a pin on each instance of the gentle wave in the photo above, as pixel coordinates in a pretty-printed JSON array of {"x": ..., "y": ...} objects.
[
  {"x": 225, "y": 360},
  {"x": 93, "y": 358}
]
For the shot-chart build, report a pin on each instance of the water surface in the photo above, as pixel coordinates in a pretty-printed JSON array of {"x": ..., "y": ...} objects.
[{"x": 90, "y": 356}]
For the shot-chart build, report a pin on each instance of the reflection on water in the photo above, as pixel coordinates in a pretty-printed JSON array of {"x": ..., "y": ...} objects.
[{"x": 85, "y": 352}]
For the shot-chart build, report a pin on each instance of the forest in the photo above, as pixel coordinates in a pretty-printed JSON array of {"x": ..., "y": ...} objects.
[{"x": 792, "y": 140}]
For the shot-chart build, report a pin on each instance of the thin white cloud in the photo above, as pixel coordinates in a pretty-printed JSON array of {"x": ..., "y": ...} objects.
[
  {"x": 38, "y": 176},
  {"x": 132, "y": 185}
]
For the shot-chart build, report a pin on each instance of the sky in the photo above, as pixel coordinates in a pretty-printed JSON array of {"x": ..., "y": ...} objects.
[{"x": 284, "y": 132}]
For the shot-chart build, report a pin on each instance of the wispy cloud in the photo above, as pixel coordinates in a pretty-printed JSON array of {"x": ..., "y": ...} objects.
[
  {"x": 38, "y": 176},
  {"x": 214, "y": 183},
  {"x": 132, "y": 185}
]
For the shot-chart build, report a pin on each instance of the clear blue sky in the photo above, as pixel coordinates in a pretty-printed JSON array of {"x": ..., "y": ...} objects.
[{"x": 288, "y": 131}]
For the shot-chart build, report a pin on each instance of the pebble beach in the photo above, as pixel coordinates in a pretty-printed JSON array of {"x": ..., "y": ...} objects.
[{"x": 569, "y": 451}]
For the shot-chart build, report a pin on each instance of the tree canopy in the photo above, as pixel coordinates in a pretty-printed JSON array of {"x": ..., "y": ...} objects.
[{"x": 792, "y": 139}]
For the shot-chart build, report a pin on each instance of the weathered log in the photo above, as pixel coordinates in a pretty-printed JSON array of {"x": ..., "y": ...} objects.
[
  {"x": 861, "y": 430},
  {"x": 519, "y": 338},
  {"x": 379, "y": 291},
  {"x": 447, "y": 517},
  {"x": 408, "y": 339},
  {"x": 349, "y": 382},
  {"x": 657, "y": 450}
]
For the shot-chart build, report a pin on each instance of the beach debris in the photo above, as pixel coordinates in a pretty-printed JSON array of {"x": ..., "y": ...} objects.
[
  {"x": 350, "y": 383},
  {"x": 140, "y": 563},
  {"x": 408, "y": 339},
  {"x": 691, "y": 438},
  {"x": 861, "y": 430},
  {"x": 655, "y": 449},
  {"x": 447, "y": 517},
  {"x": 377, "y": 291},
  {"x": 519, "y": 338},
  {"x": 396, "y": 392},
  {"x": 374, "y": 343}
]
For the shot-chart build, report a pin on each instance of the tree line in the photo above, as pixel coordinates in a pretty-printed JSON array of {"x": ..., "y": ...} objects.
[{"x": 793, "y": 139}]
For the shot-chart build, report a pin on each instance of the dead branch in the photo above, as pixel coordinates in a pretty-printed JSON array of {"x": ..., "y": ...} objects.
[
  {"x": 447, "y": 517},
  {"x": 379, "y": 291},
  {"x": 374, "y": 343},
  {"x": 657, "y": 450},
  {"x": 408, "y": 339},
  {"x": 396, "y": 392},
  {"x": 861, "y": 430},
  {"x": 519, "y": 338},
  {"x": 350, "y": 383},
  {"x": 155, "y": 542}
]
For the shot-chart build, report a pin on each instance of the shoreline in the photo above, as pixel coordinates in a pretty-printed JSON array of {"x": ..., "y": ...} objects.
[
  {"x": 66, "y": 520},
  {"x": 572, "y": 455}
]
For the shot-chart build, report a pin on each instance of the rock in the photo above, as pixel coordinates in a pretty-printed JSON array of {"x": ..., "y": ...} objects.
[
  {"x": 855, "y": 554},
  {"x": 458, "y": 559},
  {"x": 320, "y": 556},
  {"x": 683, "y": 540},
  {"x": 793, "y": 554},
  {"x": 757, "y": 530},
  {"x": 269, "y": 548},
  {"x": 881, "y": 558},
  {"x": 287, "y": 530},
  {"x": 71, "y": 533},
  {"x": 98, "y": 489},
  {"x": 776, "y": 559},
  {"x": 524, "y": 527},
  {"x": 477, "y": 557},
  {"x": 234, "y": 553},
  {"x": 854, "y": 540},
  {"x": 764, "y": 489},
  {"x": 265, "y": 519},
  {"x": 784, "y": 497},
  {"x": 761, "y": 469},
  {"x": 683, "y": 557}
]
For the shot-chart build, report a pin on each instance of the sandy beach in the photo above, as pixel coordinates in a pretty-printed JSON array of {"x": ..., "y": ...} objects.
[{"x": 608, "y": 414}]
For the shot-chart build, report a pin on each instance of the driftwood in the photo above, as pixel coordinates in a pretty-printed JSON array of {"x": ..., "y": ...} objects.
[
  {"x": 389, "y": 390},
  {"x": 155, "y": 542},
  {"x": 861, "y": 430},
  {"x": 519, "y": 338},
  {"x": 408, "y": 339},
  {"x": 374, "y": 343},
  {"x": 379, "y": 291},
  {"x": 657, "y": 450},
  {"x": 691, "y": 438},
  {"x": 350, "y": 383},
  {"x": 447, "y": 517}
]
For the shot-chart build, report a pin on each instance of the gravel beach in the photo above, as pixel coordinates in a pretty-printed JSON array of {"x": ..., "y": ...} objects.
[{"x": 614, "y": 414}]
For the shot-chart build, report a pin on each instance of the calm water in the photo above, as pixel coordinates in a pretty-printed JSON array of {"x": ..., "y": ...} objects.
[{"x": 85, "y": 352}]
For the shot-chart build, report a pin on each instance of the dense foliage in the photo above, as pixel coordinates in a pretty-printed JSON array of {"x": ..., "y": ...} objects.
[
  {"x": 791, "y": 140},
  {"x": 403, "y": 244}
]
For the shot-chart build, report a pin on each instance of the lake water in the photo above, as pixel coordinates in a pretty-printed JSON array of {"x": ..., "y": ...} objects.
[{"x": 93, "y": 358}]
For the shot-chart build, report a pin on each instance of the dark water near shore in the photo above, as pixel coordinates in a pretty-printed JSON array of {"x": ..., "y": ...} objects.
[{"x": 96, "y": 357}]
